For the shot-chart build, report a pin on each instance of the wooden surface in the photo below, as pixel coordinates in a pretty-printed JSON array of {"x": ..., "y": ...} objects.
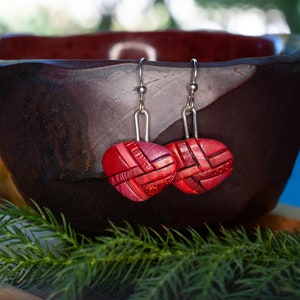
[
  {"x": 283, "y": 218},
  {"x": 251, "y": 106},
  {"x": 12, "y": 293}
]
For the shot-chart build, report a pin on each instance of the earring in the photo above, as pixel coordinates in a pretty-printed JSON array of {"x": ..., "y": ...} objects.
[
  {"x": 202, "y": 163},
  {"x": 139, "y": 169}
]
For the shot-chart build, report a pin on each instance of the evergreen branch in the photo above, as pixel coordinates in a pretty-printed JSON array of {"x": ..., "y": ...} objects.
[
  {"x": 40, "y": 222},
  {"x": 38, "y": 249}
]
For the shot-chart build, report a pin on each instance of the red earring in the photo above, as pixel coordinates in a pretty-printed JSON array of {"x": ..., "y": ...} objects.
[
  {"x": 202, "y": 163},
  {"x": 139, "y": 169}
]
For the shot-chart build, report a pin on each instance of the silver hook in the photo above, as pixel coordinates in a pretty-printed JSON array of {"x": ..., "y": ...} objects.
[
  {"x": 189, "y": 107},
  {"x": 195, "y": 73},
  {"x": 142, "y": 60},
  {"x": 192, "y": 87},
  {"x": 141, "y": 89}
]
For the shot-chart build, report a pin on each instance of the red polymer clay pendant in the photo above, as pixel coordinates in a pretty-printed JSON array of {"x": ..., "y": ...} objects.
[
  {"x": 202, "y": 164},
  {"x": 139, "y": 170}
]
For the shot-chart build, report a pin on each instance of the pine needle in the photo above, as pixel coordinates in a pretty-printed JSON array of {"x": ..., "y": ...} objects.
[{"x": 37, "y": 249}]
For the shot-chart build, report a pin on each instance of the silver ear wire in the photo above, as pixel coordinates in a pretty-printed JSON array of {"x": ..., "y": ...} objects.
[
  {"x": 142, "y": 60},
  {"x": 189, "y": 107},
  {"x": 141, "y": 89},
  {"x": 195, "y": 73}
]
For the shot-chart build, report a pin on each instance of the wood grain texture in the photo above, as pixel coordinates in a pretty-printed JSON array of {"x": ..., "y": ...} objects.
[
  {"x": 8, "y": 188},
  {"x": 282, "y": 218},
  {"x": 66, "y": 114},
  {"x": 106, "y": 98},
  {"x": 8, "y": 292}
]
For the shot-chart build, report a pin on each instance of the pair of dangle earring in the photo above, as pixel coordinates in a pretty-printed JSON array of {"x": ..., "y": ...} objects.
[
  {"x": 202, "y": 163},
  {"x": 140, "y": 169}
]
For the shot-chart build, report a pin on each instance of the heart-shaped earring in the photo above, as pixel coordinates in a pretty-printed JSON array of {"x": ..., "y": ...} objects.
[
  {"x": 139, "y": 169},
  {"x": 202, "y": 163}
]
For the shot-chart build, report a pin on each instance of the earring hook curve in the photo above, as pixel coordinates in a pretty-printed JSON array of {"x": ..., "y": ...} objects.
[
  {"x": 142, "y": 60},
  {"x": 189, "y": 107},
  {"x": 195, "y": 67},
  {"x": 141, "y": 89}
]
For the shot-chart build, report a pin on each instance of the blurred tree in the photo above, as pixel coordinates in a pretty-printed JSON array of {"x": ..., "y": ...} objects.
[
  {"x": 290, "y": 8},
  {"x": 62, "y": 18}
]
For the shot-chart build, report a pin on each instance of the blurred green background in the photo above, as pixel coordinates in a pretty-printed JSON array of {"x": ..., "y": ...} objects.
[{"x": 61, "y": 17}]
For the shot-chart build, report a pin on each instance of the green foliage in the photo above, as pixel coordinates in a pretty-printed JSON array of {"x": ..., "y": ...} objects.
[{"x": 37, "y": 249}]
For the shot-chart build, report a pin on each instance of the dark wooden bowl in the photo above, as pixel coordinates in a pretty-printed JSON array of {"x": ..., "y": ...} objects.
[{"x": 65, "y": 100}]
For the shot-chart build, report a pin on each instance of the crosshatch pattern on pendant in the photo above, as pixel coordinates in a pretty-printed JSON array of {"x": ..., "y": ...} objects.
[
  {"x": 202, "y": 164},
  {"x": 139, "y": 170}
]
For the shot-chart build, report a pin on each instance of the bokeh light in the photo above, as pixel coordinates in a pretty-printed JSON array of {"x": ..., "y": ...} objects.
[{"x": 59, "y": 17}]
